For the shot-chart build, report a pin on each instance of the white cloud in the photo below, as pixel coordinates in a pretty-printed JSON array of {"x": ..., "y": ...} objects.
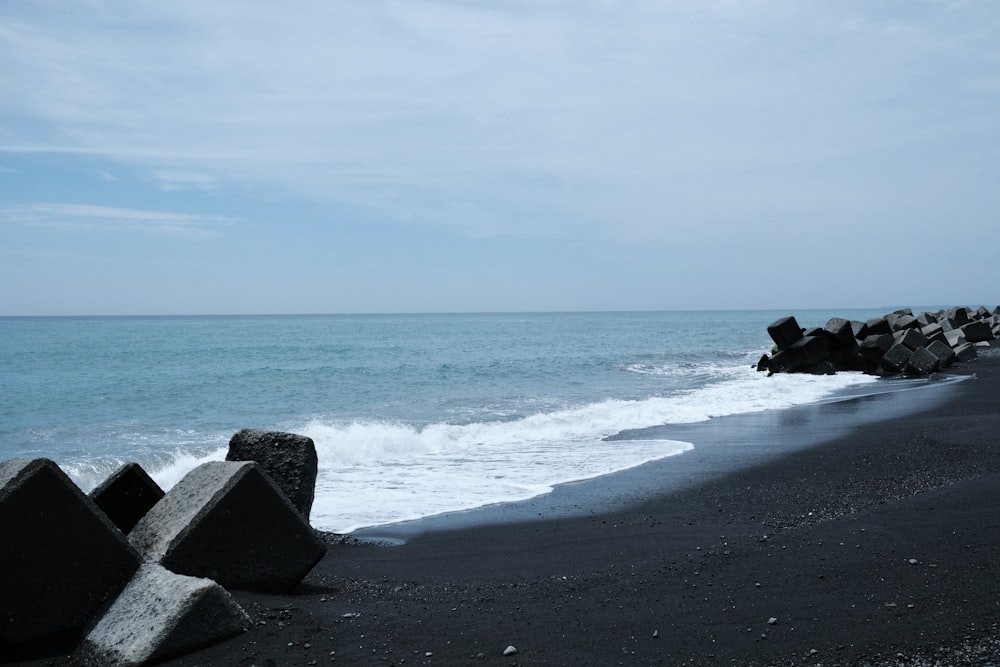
[
  {"x": 86, "y": 217},
  {"x": 499, "y": 116},
  {"x": 174, "y": 181}
]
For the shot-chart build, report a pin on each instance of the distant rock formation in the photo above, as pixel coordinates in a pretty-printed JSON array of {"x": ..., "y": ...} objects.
[{"x": 897, "y": 343}]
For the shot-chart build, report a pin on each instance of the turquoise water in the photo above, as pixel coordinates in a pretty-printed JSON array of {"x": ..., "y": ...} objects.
[{"x": 412, "y": 414}]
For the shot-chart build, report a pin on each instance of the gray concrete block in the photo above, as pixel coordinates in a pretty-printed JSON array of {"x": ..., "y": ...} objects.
[
  {"x": 877, "y": 326},
  {"x": 922, "y": 362},
  {"x": 288, "y": 458},
  {"x": 911, "y": 338},
  {"x": 127, "y": 495},
  {"x": 966, "y": 352},
  {"x": 784, "y": 332},
  {"x": 895, "y": 360},
  {"x": 228, "y": 521},
  {"x": 977, "y": 332},
  {"x": 944, "y": 353},
  {"x": 161, "y": 615},
  {"x": 955, "y": 337},
  {"x": 60, "y": 559}
]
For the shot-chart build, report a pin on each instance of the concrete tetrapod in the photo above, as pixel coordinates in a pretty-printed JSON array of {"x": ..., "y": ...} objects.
[{"x": 228, "y": 521}]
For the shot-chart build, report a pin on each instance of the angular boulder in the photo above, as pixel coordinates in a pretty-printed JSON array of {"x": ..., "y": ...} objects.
[
  {"x": 896, "y": 359},
  {"x": 957, "y": 316},
  {"x": 911, "y": 338},
  {"x": 60, "y": 559},
  {"x": 943, "y": 352},
  {"x": 784, "y": 332},
  {"x": 161, "y": 615},
  {"x": 977, "y": 332},
  {"x": 801, "y": 355},
  {"x": 966, "y": 352},
  {"x": 127, "y": 495},
  {"x": 228, "y": 521},
  {"x": 955, "y": 337},
  {"x": 877, "y": 325},
  {"x": 288, "y": 458},
  {"x": 922, "y": 362}
]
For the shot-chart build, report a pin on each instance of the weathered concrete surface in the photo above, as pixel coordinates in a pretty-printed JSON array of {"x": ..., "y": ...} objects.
[
  {"x": 60, "y": 559},
  {"x": 161, "y": 615},
  {"x": 922, "y": 362},
  {"x": 228, "y": 521},
  {"x": 784, "y": 332},
  {"x": 289, "y": 459},
  {"x": 127, "y": 495}
]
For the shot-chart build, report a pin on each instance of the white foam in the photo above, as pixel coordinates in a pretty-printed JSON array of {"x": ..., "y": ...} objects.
[
  {"x": 377, "y": 472},
  {"x": 181, "y": 464},
  {"x": 373, "y": 473}
]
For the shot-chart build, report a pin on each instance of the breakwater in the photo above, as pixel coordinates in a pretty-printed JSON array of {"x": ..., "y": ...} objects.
[{"x": 900, "y": 342}]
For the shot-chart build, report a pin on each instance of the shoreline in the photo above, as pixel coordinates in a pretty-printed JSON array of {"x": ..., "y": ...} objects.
[
  {"x": 722, "y": 445},
  {"x": 867, "y": 529}
]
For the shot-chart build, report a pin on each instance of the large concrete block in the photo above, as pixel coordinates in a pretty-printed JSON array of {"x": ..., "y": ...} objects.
[
  {"x": 966, "y": 352},
  {"x": 841, "y": 331},
  {"x": 955, "y": 337},
  {"x": 944, "y": 353},
  {"x": 288, "y": 458},
  {"x": 60, "y": 559},
  {"x": 957, "y": 316},
  {"x": 784, "y": 332},
  {"x": 899, "y": 322},
  {"x": 874, "y": 347},
  {"x": 896, "y": 358},
  {"x": 161, "y": 615},
  {"x": 922, "y": 362},
  {"x": 228, "y": 521},
  {"x": 127, "y": 495},
  {"x": 911, "y": 338},
  {"x": 977, "y": 332},
  {"x": 933, "y": 331},
  {"x": 877, "y": 326}
]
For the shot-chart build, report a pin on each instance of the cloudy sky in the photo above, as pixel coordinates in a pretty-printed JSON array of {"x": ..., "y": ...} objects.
[{"x": 497, "y": 155}]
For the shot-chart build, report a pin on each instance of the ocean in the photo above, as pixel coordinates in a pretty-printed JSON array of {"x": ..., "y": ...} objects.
[{"x": 412, "y": 415}]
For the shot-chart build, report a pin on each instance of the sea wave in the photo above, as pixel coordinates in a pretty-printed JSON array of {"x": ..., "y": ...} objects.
[{"x": 373, "y": 472}]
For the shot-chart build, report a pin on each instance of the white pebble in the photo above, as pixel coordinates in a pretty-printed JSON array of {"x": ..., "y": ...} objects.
[
  {"x": 510, "y": 650},
  {"x": 772, "y": 621}
]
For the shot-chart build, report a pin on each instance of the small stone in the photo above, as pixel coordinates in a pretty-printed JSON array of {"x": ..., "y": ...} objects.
[
  {"x": 772, "y": 621},
  {"x": 428, "y": 654},
  {"x": 913, "y": 561},
  {"x": 813, "y": 651},
  {"x": 510, "y": 650},
  {"x": 656, "y": 634}
]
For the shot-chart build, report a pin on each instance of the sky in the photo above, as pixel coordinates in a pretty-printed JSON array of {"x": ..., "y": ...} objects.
[{"x": 353, "y": 156}]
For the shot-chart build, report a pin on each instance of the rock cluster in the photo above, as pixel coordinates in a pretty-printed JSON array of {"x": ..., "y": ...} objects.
[
  {"x": 895, "y": 344},
  {"x": 131, "y": 575}
]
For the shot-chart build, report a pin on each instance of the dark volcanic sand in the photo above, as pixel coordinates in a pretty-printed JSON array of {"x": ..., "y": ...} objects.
[{"x": 872, "y": 542}]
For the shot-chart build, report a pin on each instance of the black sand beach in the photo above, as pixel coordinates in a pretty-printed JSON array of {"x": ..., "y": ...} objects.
[{"x": 863, "y": 532}]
